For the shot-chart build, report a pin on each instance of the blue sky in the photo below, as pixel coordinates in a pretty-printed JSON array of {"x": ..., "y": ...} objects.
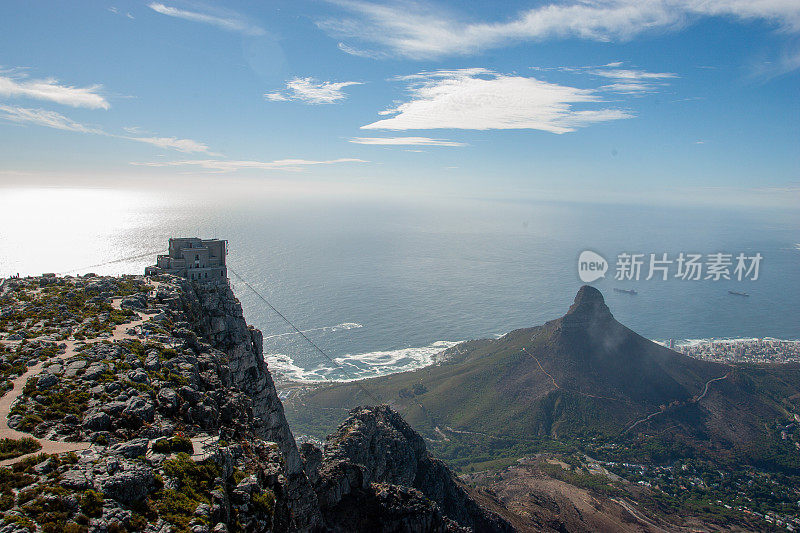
[{"x": 677, "y": 100}]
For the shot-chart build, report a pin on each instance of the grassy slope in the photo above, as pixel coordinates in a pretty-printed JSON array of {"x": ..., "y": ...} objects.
[{"x": 563, "y": 381}]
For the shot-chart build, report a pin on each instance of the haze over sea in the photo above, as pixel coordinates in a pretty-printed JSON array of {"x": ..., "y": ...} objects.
[{"x": 384, "y": 285}]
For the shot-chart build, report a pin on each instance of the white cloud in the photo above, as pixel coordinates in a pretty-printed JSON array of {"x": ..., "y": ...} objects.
[
  {"x": 49, "y": 89},
  {"x": 43, "y": 117},
  {"x": 228, "y": 21},
  {"x": 225, "y": 165},
  {"x": 626, "y": 80},
  {"x": 405, "y": 141},
  {"x": 479, "y": 99},
  {"x": 418, "y": 30},
  {"x": 172, "y": 143},
  {"x": 311, "y": 91},
  {"x": 630, "y": 74},
  {"x": 276, "y": 97},
  {"x": 52, "y": 119},
  {"x": 347, "y": 49}
]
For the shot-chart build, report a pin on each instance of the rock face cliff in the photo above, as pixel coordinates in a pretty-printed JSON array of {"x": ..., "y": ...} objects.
[
  {"x": 217, "y": 316},
  {"x": 177, "y": 426},
  {"x": 376, "y": 460}
]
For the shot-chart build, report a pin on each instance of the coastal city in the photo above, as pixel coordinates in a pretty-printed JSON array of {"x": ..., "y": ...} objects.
[{"x": 754, "y": 350}]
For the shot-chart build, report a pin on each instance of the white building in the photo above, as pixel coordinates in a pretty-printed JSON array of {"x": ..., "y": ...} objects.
[{"x": 194, "y": 259}]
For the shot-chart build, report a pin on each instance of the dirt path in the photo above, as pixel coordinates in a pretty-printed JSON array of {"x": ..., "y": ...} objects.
[
  {"x": 7, "y": 401},
  {"x": 661, "y": 411},
  {"x": 557, "y": 386},
  {"x": 637, "y": 514}
]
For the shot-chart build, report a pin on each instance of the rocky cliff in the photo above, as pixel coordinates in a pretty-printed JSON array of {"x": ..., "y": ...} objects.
[{"x": 158, "y": 391}]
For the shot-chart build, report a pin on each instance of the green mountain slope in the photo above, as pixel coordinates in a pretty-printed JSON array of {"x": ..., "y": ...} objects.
[{"x": 582, "y": 375}]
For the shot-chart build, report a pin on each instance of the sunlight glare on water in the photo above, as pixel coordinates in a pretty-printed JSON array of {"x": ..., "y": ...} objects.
[{"x": 66, "y": 229}]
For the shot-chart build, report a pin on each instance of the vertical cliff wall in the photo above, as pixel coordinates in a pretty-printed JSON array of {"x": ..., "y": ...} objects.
[{"x": 217, "y": 316}]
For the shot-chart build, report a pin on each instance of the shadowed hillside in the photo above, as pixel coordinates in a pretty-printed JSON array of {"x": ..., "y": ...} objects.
[{"x": 582, "y": 375}]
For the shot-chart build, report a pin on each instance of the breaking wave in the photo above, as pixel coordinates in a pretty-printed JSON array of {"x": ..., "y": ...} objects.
[
  {"x": 338, "y": 327},
  {"x": 359, "y": 366}
]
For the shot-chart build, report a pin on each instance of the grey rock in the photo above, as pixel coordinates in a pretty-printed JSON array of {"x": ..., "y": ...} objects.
[
  {"x": 152, "y": 361},
  {"x": 94, "y": 371},
  {"x": 168, "y": 400},
  {"x": 73, "y": 367},
  {"x": 138, "y": 376},
  {"x": 46, "y": 380},
  {"x": 140, "y": 408},
  {"x": 97, "y": 421},
  {"x": 115, "y": 407},
  {"x": 129, "y": 483},
  {"x": 55, "y": 369},
  {"x": 131, "y": 449},
  {"x": 76, "y": 479}
]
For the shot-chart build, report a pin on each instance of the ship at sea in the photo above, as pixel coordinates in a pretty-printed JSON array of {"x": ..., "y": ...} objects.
[
  {"x": 626, "y": 291},
  {"x": 737, "y": 293}
]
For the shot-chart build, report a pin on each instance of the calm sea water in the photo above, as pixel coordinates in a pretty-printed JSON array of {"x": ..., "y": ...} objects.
[{"x": 384, "y": 285}]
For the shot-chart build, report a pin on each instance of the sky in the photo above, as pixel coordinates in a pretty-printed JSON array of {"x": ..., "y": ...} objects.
[{"x": 616, "y": 100}]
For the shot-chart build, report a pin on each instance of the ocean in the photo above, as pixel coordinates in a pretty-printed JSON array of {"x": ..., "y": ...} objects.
[{"x": 384, "y": 285}]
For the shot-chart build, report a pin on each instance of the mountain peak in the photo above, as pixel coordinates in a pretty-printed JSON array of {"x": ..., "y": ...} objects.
[
  {"x": 588, "y": 312},
  {"x": 589, "y": 301}
]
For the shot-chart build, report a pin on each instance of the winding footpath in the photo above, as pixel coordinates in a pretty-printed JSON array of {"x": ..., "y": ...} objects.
[
  {"x": 693, "y": 400},
  {"x": 557, "y": 386},
  {"x": 7, "y": 401}
]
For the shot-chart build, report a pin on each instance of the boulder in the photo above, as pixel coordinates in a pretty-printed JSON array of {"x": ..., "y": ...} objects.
[
  {"x": 97, "y": 421},
  {"x": 73, "y": 367},
  {"x": 168, "y": 400},
  {"x": 94, "y": 371},
  {"x": 138, "y": 376},
  {"x": 131, "y": 449},
  {"x": 46, "y": 380},
  {"x": 115, "y": 407},
  {"x": 130, "y": 482},
  {"x": 76, "y": 479},
  {"x": 152, "y": 362},
  {"x": 140, "y": 408}
]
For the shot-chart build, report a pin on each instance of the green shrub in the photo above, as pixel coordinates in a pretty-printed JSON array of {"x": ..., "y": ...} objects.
[
  {"x": 264, "y": 502},
  {"x": 176, "y": 508},
  {"x": 10, "y": 448},
  {"x": 176, "y": 444},
  {"x": 162, "y": 446},
  {"x": 30, "y": 386},
  {"x": 92, "y": 503},
  {"x": 182, "y": 444},
  {"x": 74, "y": 527},
  {"x": 30, "y": 421},
  {"x": 194, "y": 479}
]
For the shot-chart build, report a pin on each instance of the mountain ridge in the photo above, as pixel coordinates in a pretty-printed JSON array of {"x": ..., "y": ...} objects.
[{"x": 581, "y": 374}]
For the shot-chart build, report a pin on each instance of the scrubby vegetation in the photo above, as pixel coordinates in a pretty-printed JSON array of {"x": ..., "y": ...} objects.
[
  {"x": 10, "y": 448},
  {"x": 66, "y": 306},
  {"x": 194, "y": 483},
  {"x": 176, "y": 444}
]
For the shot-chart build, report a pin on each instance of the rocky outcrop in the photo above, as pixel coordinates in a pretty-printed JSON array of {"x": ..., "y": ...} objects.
[
  {"x": 375, "y": 448},
  {"x": 188, "y": 432},
  {"x": 216, "y": 316}
]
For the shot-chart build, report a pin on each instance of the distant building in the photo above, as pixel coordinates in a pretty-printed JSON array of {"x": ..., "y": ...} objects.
[{"x": 194, "y": 259}]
